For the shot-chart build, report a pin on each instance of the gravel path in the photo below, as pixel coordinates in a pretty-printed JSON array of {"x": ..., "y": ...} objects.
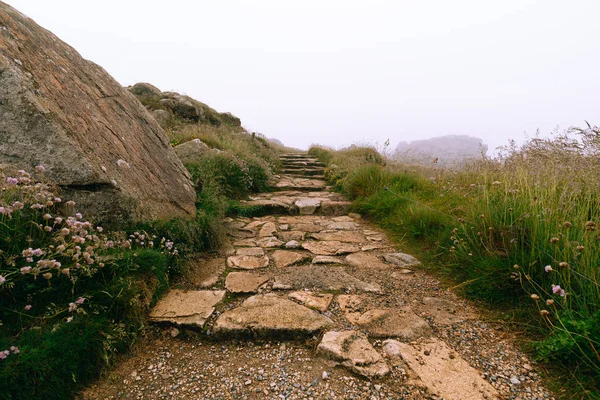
[{"x": 322, "y": 306}]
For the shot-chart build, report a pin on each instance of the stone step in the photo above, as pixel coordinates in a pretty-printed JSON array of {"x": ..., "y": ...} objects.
[
  {"x": 274, "y": 207},
  {"x": 304, "y": 171},
  {"x": 307, "y": 163}
]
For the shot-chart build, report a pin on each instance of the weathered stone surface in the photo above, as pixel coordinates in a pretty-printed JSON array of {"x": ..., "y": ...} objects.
[
  {"x": 401, "y": 322},
  {"x": 402, "y": 260},
  {"x": 250, "y": 251},
  {"x": 267, "y": 230},
  {"x": 340, "y": 236},
  {"x": 292, "y": 244},
  {"x": 327, "y": 260},
  {"x": 245, "y": 243},
  {"x": 244, "y": 282},
  {"x": 334, "y": 207},
  {"x": 443, "y": 312},
  {"x": 290, "y": 235},
  {"x": 95, "y": 139},
  {"x": 269, "y": 314},
  {"x": 323, "y": 278},
  {"x": 307, "y": 206},
  {"x": 444, "y": 372},
  {"x": 269, "y": 242},
  {"x": 247, "y": 262},
  {"x": 191, "y": 151},
  {"x": 343, "y": 226},
  {"x": 353, "y": 351},
  {"x": 365, "y": 260},
  {"x": 191, "y": 308},
  {"x": 205, "y": 273},
  {"x": 283, "y": 258},
  {"x": 316, "y": 301},
  {"x": 329, "y": 248},
  {"x": 144, "y": 89},
  {"x": 307, "y": 227}
]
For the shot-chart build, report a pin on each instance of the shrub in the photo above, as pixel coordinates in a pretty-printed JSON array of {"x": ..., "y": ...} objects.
[{"x": 71, "y": 295}]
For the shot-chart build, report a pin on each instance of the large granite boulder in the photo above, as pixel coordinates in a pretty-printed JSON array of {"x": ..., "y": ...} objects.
[{"x": 95, "y": 139}]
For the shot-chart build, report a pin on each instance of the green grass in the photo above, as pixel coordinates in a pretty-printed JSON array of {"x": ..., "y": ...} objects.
[{"x": 491, "y": 230}]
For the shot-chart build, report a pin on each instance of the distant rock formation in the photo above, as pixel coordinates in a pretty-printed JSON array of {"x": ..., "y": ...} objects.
[
  {"x": 447, "y": 150},
  {"x": 167, "y": 105},
  {"x": 276, "y": 141},
  {"x": 95, "y": 139}
]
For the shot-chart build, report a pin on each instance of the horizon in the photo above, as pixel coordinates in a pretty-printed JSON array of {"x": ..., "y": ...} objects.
[{"x": 346, "y": 72}]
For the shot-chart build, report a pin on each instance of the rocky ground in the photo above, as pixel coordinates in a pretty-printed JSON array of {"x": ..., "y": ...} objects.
[{"x": 310, "y": 302}]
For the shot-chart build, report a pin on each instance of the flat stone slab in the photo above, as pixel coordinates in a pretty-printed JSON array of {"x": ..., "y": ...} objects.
[
  {"x": 332, "y": 248},
  {"x": 205, "y": 273},
  {"x": 269, "y": 314},
  {"x": 366, "y": 260},
  {"x": 343, "y": 225},
  {"x": 245, "y": 243},
  {"x": 283, "y": 258},
  {"x": 250, "y": 251},
  {"x": 443, "y": 312},
  {"x": 247, "y": 262},
  {"x": 268, "y": 229},
  {"x": 353, "y": 350},
  {"x": 327, "y": 260},
  {"x": 316, "y": 301},
  {"x": 286, "y": 236},
  {"x": 244, "y": 282},
  {"x": 188, "y": 308},
  {"x": 402, "y": 260},
  {"x": 443, "y": 371},
  {"x": 382, "y": 322},
  {"x": 340, "y": 236},
  {"x": 322, "y": 278},
  {"x": 307, "y": 227},
  {"x": 270, "y": 242},
  {"x": 308, "y": 205}
]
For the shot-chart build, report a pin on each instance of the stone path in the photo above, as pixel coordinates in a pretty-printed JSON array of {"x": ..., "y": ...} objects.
[{"x": 310, "y": 301}]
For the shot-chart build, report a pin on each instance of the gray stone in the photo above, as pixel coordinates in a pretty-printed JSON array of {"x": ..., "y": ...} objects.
[
  {"x": 191, "y": 151},
  {"x": 307, "y": 206},
  {"x": 94, "y": 138},
  {"x": 402, "y": 260}
]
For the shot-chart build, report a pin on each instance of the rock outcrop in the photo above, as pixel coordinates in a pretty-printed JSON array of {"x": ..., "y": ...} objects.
[
  {"x": 96, "y": 141},
  {"x": 168, "y": 105}
]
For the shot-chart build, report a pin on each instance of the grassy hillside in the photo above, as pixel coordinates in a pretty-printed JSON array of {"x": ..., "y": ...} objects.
[{"x": 519, "y": 232}]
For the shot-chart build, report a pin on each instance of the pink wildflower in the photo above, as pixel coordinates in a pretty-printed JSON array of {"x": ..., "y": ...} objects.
[
  {"x": 25, "y": 270},
  {"x": 40, "y": 168},
  {"x": 27, "y": 307},
  {"x": 72, "y": 307},
  {"x": 548, "y": 268},
  {"x": 14, "y": 350},
  {"x": 4, "y": 354},
  {"x": 556, "y": 289},
  {"x": 12, "y": 181},
  {"x": 80, "y": 300},
  {"x": 2, "y": 279}
]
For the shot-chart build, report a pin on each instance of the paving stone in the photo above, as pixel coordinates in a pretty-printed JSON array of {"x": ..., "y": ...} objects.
[
  {"x": 307, "y": 206},
  {"x": 343, "y": 226},
  {"x": 186, "y": 308},
  {"x": 205, "y": 273},
  {"x": 340, "y": 236},
  {"x": 321, "y": 278},
  {"x": 382, "y": 322},
  {"x": 269, "y": 314},
  {"x": 292, "y": 244},
  {"x": 353, "y": 350},
  {"x": 316, "y": 301},
  {"x": 267, "y": 230},
  {"x": 250, "y": 251},
  {"x": 283, "y": 258},
  {"x": 444, "y": 372},
  {"x": 269, "y": 242},
  {"x": 247, "y": 262},
  {"x": 307, "y": 227},
  {"x": 244, "y": 282},
  {"x": 329, "y": 248},
  {"x": 291, "y": 235},
  {"x": 366, "y": 260},
  {"x": 327, "y": 260}
]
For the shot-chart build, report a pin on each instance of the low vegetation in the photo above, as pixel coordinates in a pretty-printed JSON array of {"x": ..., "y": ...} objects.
[
  {"x": 72, "y": 295},
  {"x": 520, "y": 231}
]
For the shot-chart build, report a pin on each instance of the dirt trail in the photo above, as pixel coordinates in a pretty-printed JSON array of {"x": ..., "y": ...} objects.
[{"x": 311, "y": 302}]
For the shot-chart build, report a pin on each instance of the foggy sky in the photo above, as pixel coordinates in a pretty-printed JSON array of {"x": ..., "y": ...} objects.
[{"x": 336, "y": 72}]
